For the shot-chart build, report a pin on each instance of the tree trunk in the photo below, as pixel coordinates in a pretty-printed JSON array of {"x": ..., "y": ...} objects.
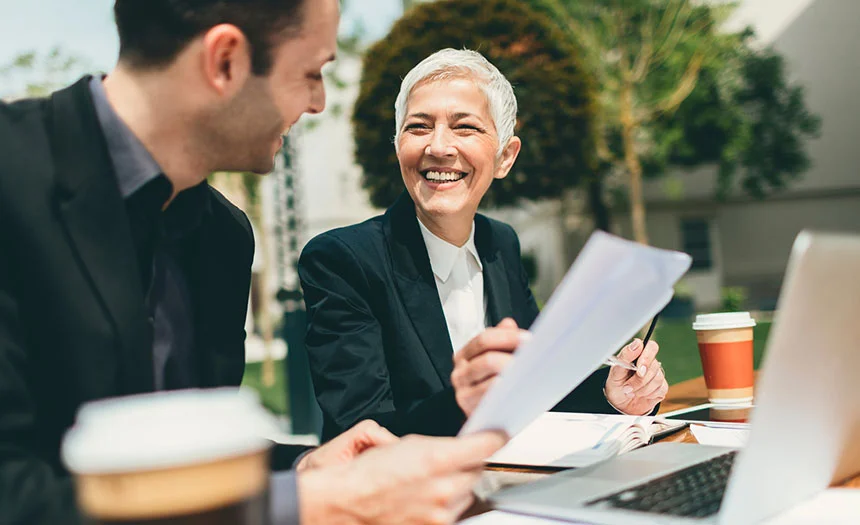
[
  {"x": 634, "y": 167},
  {"x": 596, "y": 203}
]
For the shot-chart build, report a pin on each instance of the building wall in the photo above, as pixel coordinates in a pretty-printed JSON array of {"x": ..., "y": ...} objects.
[{"x": 752, "y": 239}]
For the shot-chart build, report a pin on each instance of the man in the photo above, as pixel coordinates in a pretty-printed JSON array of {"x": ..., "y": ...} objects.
[{"x": 122, "y": 271}]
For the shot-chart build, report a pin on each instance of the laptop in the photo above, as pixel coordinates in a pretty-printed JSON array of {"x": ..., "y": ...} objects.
[{"x": 805, "y": 427}]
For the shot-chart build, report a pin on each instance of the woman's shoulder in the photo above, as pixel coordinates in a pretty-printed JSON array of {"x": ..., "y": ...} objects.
[{"x": 355, "y": 238}]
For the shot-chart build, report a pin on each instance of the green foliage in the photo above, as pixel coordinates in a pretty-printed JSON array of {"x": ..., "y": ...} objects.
[
  {"x": 554, "y": 92},
  {"x": 733, "y": 298},
  {"x": 31, "y": 74},
  {"x": 747, "y": 118}
]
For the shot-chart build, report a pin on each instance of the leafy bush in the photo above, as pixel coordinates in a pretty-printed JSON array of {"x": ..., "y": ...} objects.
[
  {"x": 555, "y": 94},
  {"x": 733, "y": 298}
]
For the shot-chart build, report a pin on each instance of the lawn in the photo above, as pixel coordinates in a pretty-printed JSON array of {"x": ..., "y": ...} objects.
[
  {"x": 275, "y": 397},
  {"x": 680, "y": 354}
]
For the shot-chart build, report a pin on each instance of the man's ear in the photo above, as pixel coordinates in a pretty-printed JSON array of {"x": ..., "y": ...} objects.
[
  {"x": 226, "y": 58},
  {"x": 509, "y": 156}
]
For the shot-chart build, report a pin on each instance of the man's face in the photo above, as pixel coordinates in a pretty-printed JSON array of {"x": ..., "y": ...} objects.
[{"x": 268, "y": 106}]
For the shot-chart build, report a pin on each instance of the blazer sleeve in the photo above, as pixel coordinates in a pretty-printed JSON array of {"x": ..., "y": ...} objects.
[
  {"x": 588, "y": 396},
  {"x": 31, "y": 491},
  {"x": 346, "y": 349}
]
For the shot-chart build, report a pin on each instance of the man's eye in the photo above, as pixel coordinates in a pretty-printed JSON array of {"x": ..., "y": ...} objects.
[{"x": 315, "y": 76}]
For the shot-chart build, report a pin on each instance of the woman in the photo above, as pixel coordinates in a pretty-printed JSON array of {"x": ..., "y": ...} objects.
[{"x": 390, "y": 300}]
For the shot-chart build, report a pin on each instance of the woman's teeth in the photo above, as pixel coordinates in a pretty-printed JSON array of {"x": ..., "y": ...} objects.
[{"x": 438, "y": 176}]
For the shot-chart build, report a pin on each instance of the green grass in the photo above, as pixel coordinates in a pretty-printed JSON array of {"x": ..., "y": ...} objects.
[
  {"x": 680, "y": 354},
  {"x": 275, "y": 397}
]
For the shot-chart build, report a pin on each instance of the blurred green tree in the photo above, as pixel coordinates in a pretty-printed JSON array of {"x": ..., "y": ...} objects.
[
  {"x": 554, "y": 90},
  {"x": 33, "y": 74},
  {"x": 676, "y": 90}
]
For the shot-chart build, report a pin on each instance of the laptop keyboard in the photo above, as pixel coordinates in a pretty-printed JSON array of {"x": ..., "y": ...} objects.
[{"x": 695, "y": 491}]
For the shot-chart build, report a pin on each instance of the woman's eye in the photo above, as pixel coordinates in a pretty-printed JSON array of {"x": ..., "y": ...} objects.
[
  {"x": 417, "y": 126},
  {"x": 468, "y": 127}
]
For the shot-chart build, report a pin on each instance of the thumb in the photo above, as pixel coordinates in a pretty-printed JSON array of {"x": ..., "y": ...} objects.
[
  {"x": 507, "y": 322},
  {"x": 629, "y": 353}
]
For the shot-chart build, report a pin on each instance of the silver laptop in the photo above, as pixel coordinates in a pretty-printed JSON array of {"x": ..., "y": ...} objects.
[{"x": 805, "y": 428}]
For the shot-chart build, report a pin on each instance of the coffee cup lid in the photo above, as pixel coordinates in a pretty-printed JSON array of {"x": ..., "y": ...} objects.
[
  {"x": 722, "y": 321},
  {"x": 166, "y": 429}
]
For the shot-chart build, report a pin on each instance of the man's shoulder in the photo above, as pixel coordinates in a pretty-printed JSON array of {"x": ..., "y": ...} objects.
[
  {"x": 22, "y": 128},
  {"x": 232, "y": 223}
]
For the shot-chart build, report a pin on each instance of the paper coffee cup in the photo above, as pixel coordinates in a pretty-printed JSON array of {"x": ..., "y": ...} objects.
[
  {"x": 176, "y": 456},
  {"x": 726, "y": 349}
]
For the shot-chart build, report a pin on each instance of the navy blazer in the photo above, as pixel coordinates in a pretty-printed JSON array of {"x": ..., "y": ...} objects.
[{"x": 377, "y": 339}]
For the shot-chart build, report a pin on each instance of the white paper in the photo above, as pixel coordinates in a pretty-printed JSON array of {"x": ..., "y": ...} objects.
[
  {"x": 610, "y": 292},
  {"x": 720, "y": 437},
  {"x": 496, "y": 517},
  {"x": 573, "y": 440},
  {"x": 831, "y": 507}
]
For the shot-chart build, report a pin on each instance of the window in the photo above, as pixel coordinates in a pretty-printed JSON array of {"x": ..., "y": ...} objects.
[{"x": 696, "y": 240}]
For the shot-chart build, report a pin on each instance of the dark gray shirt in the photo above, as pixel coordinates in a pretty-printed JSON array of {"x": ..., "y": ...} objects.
[{"x": 142, "y": 184}]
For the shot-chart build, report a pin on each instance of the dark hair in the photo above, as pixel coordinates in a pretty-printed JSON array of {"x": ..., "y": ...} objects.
[{"x": 153, "y": 32}]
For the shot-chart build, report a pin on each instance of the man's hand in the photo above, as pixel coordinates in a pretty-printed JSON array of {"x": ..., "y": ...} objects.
[
  {"x": 637, "y": 393},
  {"x": 478, "y": 363},
  {"x": 420, "y": 480},
  {"x": 347, "y": 446}
]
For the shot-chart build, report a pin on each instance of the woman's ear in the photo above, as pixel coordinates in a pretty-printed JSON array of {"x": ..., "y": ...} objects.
[{"x": 509, "y": 156}]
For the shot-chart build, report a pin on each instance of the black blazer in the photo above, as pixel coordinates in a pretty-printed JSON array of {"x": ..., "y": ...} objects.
[
  {"x": 73, "y": 323},
  {"x": 377, "y": 340}
]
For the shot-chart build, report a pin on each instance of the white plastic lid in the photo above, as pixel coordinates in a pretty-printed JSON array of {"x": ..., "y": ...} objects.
[
  {"x": 723, "y": 321},
  {"x": 165, "y": 429}
]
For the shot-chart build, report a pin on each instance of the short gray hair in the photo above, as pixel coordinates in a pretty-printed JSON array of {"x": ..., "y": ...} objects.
[{"x": 453, "y": 63}]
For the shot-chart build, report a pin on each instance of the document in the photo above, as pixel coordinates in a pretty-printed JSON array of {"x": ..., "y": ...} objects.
[
  {"x": 611, "y": 291},
  {"x": 560, "y": 440},
  {"x": 720, "y": 437}
]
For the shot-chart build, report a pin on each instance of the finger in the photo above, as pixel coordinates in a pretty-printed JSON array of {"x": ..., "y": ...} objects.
[
  {"x": 499, "y": 339},
  {"x": 628, "y": 354},
  {"x": 463, "y": 453},
  {"x": 507, "y": 322},
  {"x": 646, "y": 359},
  {"x": 485, "y": 366},
  {"x": 650, "y": 388},
  {"x": 468, "y": 398},
  {"x": 653, "y": 372}
]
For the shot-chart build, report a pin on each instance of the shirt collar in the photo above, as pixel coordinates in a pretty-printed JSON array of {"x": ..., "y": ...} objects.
[
  {"x": 443, "y": 254},
  {"x": 132, "y": 163}
]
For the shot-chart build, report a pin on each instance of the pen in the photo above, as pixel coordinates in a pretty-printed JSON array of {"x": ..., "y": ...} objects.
[{"x": 615, "y": 361}]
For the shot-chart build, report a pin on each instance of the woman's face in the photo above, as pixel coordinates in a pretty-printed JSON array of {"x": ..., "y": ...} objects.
[{"x": 448, "y": 146}]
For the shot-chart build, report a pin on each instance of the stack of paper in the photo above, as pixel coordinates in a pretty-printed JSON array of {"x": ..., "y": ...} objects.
[{"x": 612, "y": 289}]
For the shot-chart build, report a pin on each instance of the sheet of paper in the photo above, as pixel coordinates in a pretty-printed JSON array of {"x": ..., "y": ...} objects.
[
  {"x": 831, "y": 507},
  {"x": 720, "y": 437},
  {"x": 569, "y": 440},
  {"x": 496, "y": 517},
  {"x": 611, "y": 291}
]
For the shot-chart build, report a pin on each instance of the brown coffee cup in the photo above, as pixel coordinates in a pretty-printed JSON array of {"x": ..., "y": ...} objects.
[
  {"x": 726, "y": 349},
  {"x": 179, "y": 458}
]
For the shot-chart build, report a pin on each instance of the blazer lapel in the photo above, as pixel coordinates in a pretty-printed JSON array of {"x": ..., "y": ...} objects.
[
  {"x": 416, "y": 285},
  {"x": 94, "y": 217},
  {"x": 496, "y": 284}
]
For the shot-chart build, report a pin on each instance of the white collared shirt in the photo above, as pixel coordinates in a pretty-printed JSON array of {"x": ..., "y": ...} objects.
[{"x": 459, "y": 280}]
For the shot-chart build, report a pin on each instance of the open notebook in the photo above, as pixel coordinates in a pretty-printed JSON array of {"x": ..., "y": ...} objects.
[{"x": 559, "y": 440}]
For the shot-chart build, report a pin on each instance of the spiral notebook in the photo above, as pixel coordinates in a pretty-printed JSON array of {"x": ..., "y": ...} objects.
[{"x": 561, "y": 440}]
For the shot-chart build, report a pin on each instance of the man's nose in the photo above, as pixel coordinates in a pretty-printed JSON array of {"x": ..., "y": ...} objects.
[{"x": 318, "y": 96}]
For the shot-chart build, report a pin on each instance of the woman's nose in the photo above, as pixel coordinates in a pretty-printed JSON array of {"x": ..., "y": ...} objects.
[{"x": 440, "y": 144}]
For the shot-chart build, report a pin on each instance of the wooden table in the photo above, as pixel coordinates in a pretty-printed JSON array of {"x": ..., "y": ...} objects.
[{"x": 681, "y": 395}]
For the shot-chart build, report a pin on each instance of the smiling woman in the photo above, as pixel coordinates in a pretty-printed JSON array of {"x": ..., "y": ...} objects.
[{"x": 412, "y": 314}]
